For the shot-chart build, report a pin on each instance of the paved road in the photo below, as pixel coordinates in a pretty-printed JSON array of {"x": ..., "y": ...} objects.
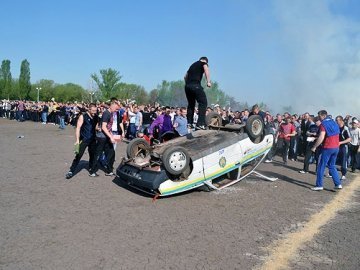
[{"x": 48, "y": 222}]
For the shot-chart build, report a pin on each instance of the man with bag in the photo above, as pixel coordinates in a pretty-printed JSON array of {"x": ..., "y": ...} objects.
[{"x": 85, "y": 137}]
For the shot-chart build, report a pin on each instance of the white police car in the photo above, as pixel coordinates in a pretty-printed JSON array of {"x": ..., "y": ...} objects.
[{"x": 212, "y": 159}]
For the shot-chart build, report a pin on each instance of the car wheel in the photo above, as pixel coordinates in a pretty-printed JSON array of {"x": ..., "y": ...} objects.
[
  {"x": 255, "y": 128},
  {"x": 176, "y": 160},
  {"x": 138, "y": 147},
  {"x": 213, "y": 119}
]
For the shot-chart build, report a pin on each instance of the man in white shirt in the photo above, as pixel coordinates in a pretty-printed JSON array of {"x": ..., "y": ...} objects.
[{"x": 354, "y": 144}]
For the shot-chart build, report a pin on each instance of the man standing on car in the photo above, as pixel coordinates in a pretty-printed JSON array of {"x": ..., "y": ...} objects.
[{"x": 195, "y": 92}]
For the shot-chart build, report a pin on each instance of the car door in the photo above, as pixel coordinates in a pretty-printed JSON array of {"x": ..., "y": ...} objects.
[{"x": 222, "y": 161}]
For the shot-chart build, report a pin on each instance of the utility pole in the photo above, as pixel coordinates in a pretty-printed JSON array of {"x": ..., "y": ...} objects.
[{"x": 38, "y": 93}]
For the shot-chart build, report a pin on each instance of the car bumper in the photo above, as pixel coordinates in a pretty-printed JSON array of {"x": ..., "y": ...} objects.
[{"x": 145, "y": 180}]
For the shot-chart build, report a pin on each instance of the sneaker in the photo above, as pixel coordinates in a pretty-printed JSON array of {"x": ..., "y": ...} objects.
[
  {"x": 292, "y": 159},
  {"x": 69, "y": 175},
  {"x": 200, "y": 127},
  {"x": 93, "y": 174},
  {"x": 268, "y": 161},
  {"x": 317, "y": 188},
  {"x": 302, "y": 171},
  {"x": 338, "y": 187},
  {"x": 327, "y": 175},
  {"x": 343, "y": 177},
  {"x": 109, "y": 174}
]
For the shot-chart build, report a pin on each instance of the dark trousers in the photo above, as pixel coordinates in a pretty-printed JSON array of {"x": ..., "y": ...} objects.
[
  {"x": 281, "y": 144},
  {"x": 342, "y": 158},
  {"x": 91, "y": 148},
  {"x": 196, "y": 93},
  {"x": 309, "y": 154},
  {"x": 303, "y": 145},
  {"x": 104, "y": 145},
  {"x": 353, "y": 150}
]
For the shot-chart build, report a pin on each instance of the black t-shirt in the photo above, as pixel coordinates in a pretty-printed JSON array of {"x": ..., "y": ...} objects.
[
  {"x": 45, "y": 109},
  {"x": 344, "y": 134},
  {"x": 153, "y": 116},
  {"x": 106, "y": 116},
  {"x": 146, "y": 118},
  {"x": 62, "y": 111},
  {"x": 195, "y": 73}
]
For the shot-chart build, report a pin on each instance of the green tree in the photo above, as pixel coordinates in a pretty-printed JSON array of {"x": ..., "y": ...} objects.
[
  {"x": 131, "y": 91},
  {"x": 24, "y": 80},
  {"x": 170, "y": 93},
  {"x": 15, "y": 90},
  {"x": 6, "y": 78},
  {"x": 153, "y": 96},
  {"x": 216, "y": 96},
  {"x": 46, "y": 92},
  {"x": 107, "y": 82},
  {"x": 69, "y": 92}
]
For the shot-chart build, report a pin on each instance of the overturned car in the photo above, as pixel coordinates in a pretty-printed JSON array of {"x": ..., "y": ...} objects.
[{"x": 212, "y": 159}]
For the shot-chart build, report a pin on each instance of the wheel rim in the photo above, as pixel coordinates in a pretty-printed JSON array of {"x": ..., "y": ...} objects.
[
  {"x": 256, "y": 127},
  {"x": 177, "y": 161},
  {"x": 215, "y": 121},
  {"x": 139, "y": 151}
]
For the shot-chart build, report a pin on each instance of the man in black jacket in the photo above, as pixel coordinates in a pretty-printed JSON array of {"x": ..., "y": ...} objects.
[
  {"x": 195, "y": 92},
  {"x": 85, "y": 138},
  {"x": 305, "y": 124}
]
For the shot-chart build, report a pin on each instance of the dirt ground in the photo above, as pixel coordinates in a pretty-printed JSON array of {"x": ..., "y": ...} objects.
[{"x": 48, "y": 222}]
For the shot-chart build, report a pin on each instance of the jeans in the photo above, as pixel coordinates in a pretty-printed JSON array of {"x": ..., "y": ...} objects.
[
  {"x": 342, "y": 158},
  {"x": 293, "y": 150},
  {"x": 91, "y": 148},
  {"x": 44, "y": 117},
  {"x": 19, "y": 116},
  {"x": 104, "y": 145},
  {"x": 327, "y": 158},
  {"x": 196, "y": 93},
  {"x": 62, "y": 122},
  {"x": 131, "y": 131}
]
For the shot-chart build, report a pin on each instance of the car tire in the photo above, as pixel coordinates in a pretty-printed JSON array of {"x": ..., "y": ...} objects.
[
  {"x": 214, "y": 119},
  {"x": 136, "y": 147},
  {"x": 255, "y": 128},
  {"x": 176, "y": 160}
]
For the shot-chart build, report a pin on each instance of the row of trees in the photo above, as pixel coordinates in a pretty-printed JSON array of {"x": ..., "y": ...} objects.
[
  {"x": 108, "y": 84},
  {"x": 170, "y": 93},
  {"x": 15, "y": 88}
]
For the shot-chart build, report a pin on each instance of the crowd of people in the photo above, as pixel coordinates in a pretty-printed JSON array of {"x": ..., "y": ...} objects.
[
  {"x": 99, "y": 127},
  {"x": 319, "y": 139}
]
